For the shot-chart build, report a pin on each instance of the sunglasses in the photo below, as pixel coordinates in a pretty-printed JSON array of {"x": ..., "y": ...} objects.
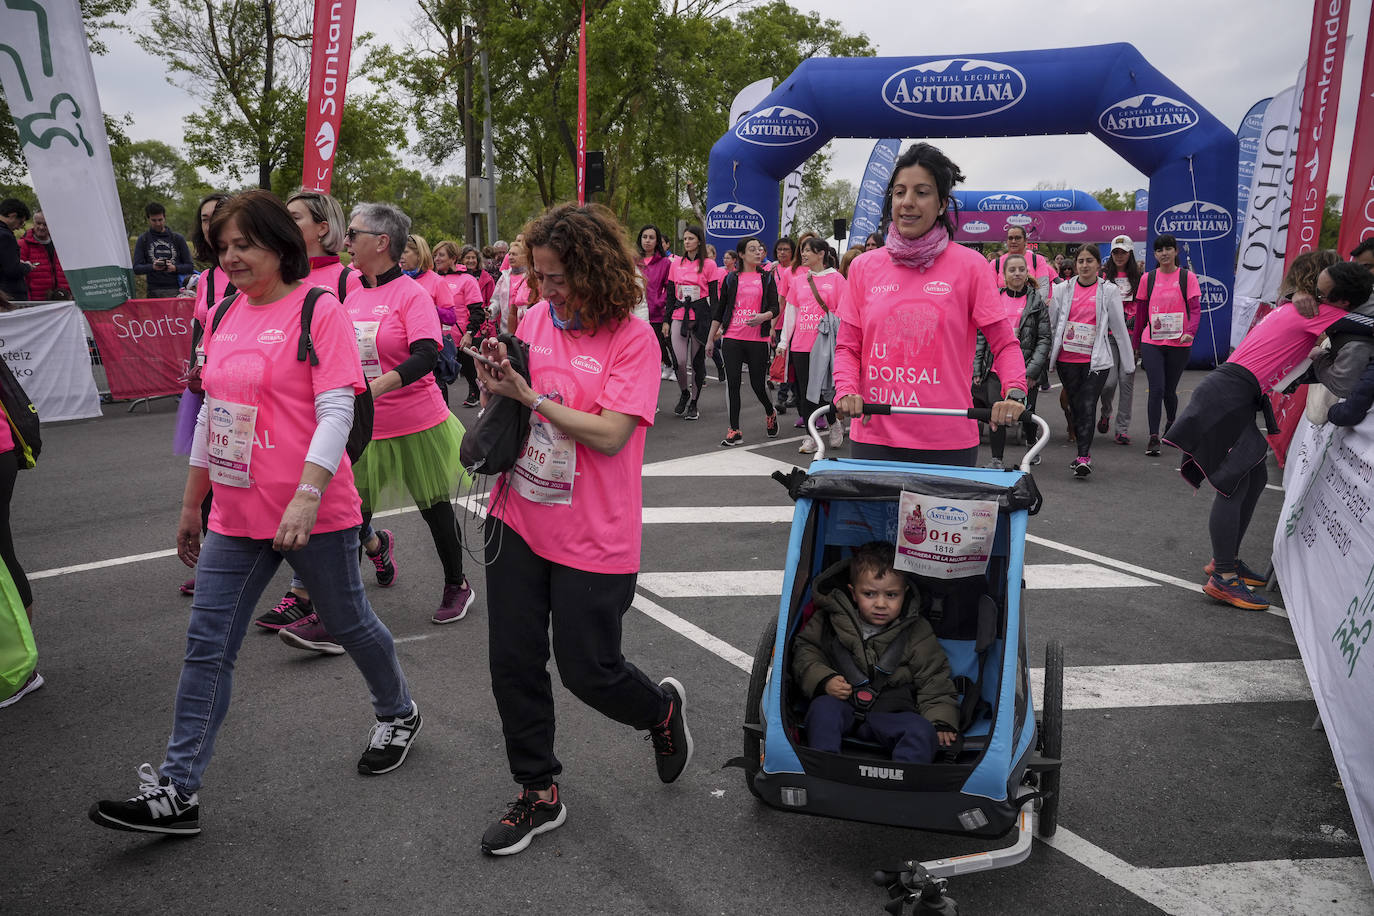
[{"x": 352, "y": 234}]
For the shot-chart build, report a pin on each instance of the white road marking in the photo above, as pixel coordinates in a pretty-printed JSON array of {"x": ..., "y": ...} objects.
[
  {"x": 1079, "y": 575},
  {"x": 1180, "y": 684},
  {"x": 728, "y": 462},
  {"x": 1270, "y": 486},
  {"x": 696, "y": 634},
  {"x": 703, "y": 515},
  {"x": 1131, "y": 568},
  {"x": 1139, "y": 881},
  {"x": 1332, "y": 887},
  {"x": 101, "y": 564}
]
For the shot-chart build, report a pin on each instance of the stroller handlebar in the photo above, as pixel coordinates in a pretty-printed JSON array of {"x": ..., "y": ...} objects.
[{"x": 981, "y": 414}]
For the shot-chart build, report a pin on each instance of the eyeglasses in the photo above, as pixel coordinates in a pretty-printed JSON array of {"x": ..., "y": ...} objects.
[
  {"x": 1320, "y": 298},
  {"x": 352, "y": 234}
]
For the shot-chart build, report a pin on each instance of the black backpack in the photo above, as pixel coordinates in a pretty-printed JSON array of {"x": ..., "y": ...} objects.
[
  {"x": 23, "y": 418},
  {"x": 363, "y": 409}
]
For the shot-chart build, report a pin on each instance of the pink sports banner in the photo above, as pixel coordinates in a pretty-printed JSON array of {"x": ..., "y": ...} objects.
[
  {"x": 1053, "y": 226},
  {"x": 1357, "y": 222},
  {"x": 145, "y": 346},
  {"x": 1321, "y": 96},
  {"x": 329, "y": 51}
]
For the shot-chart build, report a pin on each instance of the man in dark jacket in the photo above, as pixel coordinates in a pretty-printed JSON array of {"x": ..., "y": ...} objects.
[
  {"x": 864, "y": 611},
  {"x": 161, "y": 255},
  {"x": 14, "y": 214},
  {"x": 47, "y": 279}
]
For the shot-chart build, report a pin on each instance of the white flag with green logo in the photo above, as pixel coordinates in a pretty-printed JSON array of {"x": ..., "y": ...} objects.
[{"x": 48, "y": 80}]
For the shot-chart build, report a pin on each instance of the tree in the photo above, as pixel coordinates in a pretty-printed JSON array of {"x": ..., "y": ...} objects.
[
  {"x": 1331, "y": 224},
  {"x": 1115, "y": 200},
  {"x": 818, "y": 209},
  {"x": 99, "y": 16},
  {"x": 654, "y": 72},
  {"x": 148, "y": 170},
  {"x": 246, "y": 60}
]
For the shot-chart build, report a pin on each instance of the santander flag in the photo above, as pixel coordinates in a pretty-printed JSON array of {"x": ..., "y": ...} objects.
[
  {"x": 329, "y": 50},
  {"x": 1321, "y": 95},
  {"x": 1357, "y": 222}
]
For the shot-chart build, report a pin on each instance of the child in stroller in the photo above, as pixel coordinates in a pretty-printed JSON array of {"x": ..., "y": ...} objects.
[{"x": 871, "y": 663}]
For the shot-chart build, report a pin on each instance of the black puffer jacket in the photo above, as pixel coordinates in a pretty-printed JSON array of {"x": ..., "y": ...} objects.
[{"x": 1032, "y": 332}]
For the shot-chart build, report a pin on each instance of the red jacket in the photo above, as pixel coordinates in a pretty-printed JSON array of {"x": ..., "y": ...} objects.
[{"x": 48, "y": 275}]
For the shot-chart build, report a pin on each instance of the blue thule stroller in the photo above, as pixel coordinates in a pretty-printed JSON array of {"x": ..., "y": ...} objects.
[{"x": 1004, "y": 773}]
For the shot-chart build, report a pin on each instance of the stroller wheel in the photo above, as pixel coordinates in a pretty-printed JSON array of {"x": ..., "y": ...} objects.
[
  {"x": 1052, "y": 733},
  {"x": 758, "y": 682}
]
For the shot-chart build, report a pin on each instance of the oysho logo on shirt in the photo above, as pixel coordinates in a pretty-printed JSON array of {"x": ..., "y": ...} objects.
[
  {"x": 271, "y": 336},
  {"x": 953, "y": 88},
  {"x": 885, "y": 288},
  {"x": 1146, "y": 117},
  {"x": 937, "y": 288},
  {"x": 226, "y": 335},
  {"x": 777, "y": 125},
  {"x": 586, "y": 364},
  {"x": 541, "y": 349}
]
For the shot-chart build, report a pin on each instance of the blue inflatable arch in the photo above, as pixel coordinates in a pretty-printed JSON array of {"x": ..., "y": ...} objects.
[{"x": 1109, "y": 91}]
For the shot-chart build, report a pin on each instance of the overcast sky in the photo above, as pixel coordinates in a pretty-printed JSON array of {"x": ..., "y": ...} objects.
[{"x": 1226, "y": 54}]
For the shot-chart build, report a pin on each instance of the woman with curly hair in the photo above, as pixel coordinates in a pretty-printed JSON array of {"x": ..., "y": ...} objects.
[{"x": 563, "y": 532}]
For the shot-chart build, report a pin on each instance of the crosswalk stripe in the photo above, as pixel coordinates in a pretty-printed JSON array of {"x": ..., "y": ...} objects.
[{"x": 1180, "y": 684}]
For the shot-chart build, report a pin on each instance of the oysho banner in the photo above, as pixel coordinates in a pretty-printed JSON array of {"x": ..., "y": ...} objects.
[
  {"x": 329, "y": 50},
  {"x": 45, "y": 346},
  {"x": 1249, "y": 137},
  {"x": 868, "y": 206},
  {"x": 1324, "y": 554},
  {"x": 145, "y": 345},
  {"x": 1070, "y": 226},
  {"x": 46, "y": 73}
]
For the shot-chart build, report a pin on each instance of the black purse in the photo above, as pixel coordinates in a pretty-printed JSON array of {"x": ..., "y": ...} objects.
[{"x": 496, "y": 439}]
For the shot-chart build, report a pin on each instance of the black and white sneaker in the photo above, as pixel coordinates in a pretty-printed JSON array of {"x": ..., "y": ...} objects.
[
  {"x": 289, "y": 609},
  {"x": 691, "y": 413},
  {"x": 527, "y": 817},
  {"x": 159, "y": 808},
  {"x": 390, "y": 741},
  {"x": 672, "y": 741}
]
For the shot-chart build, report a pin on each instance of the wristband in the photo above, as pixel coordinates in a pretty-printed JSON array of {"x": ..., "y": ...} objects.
[
  {"x": 534, "y": 406},
  {"x": 310, "y": 488}
]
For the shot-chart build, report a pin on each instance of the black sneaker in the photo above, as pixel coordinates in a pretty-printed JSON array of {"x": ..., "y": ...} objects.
[
  {"x": 389, "y": 743},
  {"x": 672, "y": 741},
  {"x": 473, "y": 399},
  {"x": 1152, "y": 447},
  {"x": 384, "y": 559},
  {"x": 691, "y": 413},
  {"x": 770, "y": 425},
  {"x": 682, "y": 402},
  {"x": 160, "y": 808},
  {"x": 289, "y": 609},
  {"x": 527, "y": 817}
]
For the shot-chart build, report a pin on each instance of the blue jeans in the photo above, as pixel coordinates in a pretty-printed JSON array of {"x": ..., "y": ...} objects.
[
  {"x": 231, "y": 576},
  {"x": 908, "y": 736}
]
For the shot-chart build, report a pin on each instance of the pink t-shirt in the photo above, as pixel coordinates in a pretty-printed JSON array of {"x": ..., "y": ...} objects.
[
  {"x": 614, "y": 369},
  {"x": 809, "y": 311},
  {"x": 1165, "y": 299},
  {"x": 1083, "y": 309},
  {"x": 787, "y": 278},
  {"x": 1014, "y": 305},
  {"x": 6, "y": 436},
  {"x": 1276, "y": 345},
  {"x": 440, "y": 292},
  {"x": 463, "y": 289},
  {"x": 1037, "y": 267},
  {"x": 692, "y": 283},
  {"x": 324, "y": 271},
  {"x": 907, "y": 338},
  {"x": 406, "y": 314},
  {"x": 221, "y": 283},
  {"x": 748, "y": 303},
  {"x": 251, "y": 360}
]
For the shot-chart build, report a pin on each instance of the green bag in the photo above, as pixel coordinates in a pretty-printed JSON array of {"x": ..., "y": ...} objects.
[{"x": 18, "y": 654}]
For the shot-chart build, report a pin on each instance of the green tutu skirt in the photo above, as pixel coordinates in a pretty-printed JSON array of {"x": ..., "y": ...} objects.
[{"x": 419, "y": 469}]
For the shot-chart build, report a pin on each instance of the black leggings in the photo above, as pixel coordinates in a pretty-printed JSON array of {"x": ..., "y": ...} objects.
[
  {"x": 1084, "y": 387},
  {"x": 9, "y": 470},
  {"x": 469, "y": 371},
  {"x": 753, "y": 353},
  {"x": 1231, "y": 517},
  {"x": 1163, "y": 367},
  {"x": 801, "y": 365},
  {"x": 526, "y": 596},
  {"x": 443, "y": 527}
]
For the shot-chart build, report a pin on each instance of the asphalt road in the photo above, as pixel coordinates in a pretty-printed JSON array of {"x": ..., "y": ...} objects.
[{"x": 1193, "y": 782}]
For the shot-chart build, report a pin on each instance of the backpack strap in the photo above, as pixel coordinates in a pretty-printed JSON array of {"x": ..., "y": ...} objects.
[
  {"x": 305, "y": 347},
  {"x": 222, "y": 310},
  {"x": 1147, "y": 283},
  {"x": 343, "y": 282}
]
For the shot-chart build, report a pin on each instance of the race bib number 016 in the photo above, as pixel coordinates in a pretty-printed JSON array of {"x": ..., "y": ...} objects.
[{"x": 944, "y": 538}]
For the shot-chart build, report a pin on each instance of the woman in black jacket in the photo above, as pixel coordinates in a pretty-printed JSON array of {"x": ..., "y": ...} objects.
[
  {"x": 744, "y": 316},
  {"x": 1032, "y": 315}
]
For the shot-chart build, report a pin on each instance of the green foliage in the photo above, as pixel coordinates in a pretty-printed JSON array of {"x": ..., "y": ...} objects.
[
  {"x": 1331, "y": 224},
  {"x": 655, "y": 102},
  {"x": 818, "y": 209},
  {"x": 1115, "y": 200},
  {"x": 148, "y": 170},
  {"x": 247, "y": 62}
]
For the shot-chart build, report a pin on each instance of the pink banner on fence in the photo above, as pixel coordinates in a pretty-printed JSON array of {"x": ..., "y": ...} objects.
[
  {"x": 1357, "y": 222},
  {"x": 1053, "y": 226},
  {"x": 144, "y": 345}
]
